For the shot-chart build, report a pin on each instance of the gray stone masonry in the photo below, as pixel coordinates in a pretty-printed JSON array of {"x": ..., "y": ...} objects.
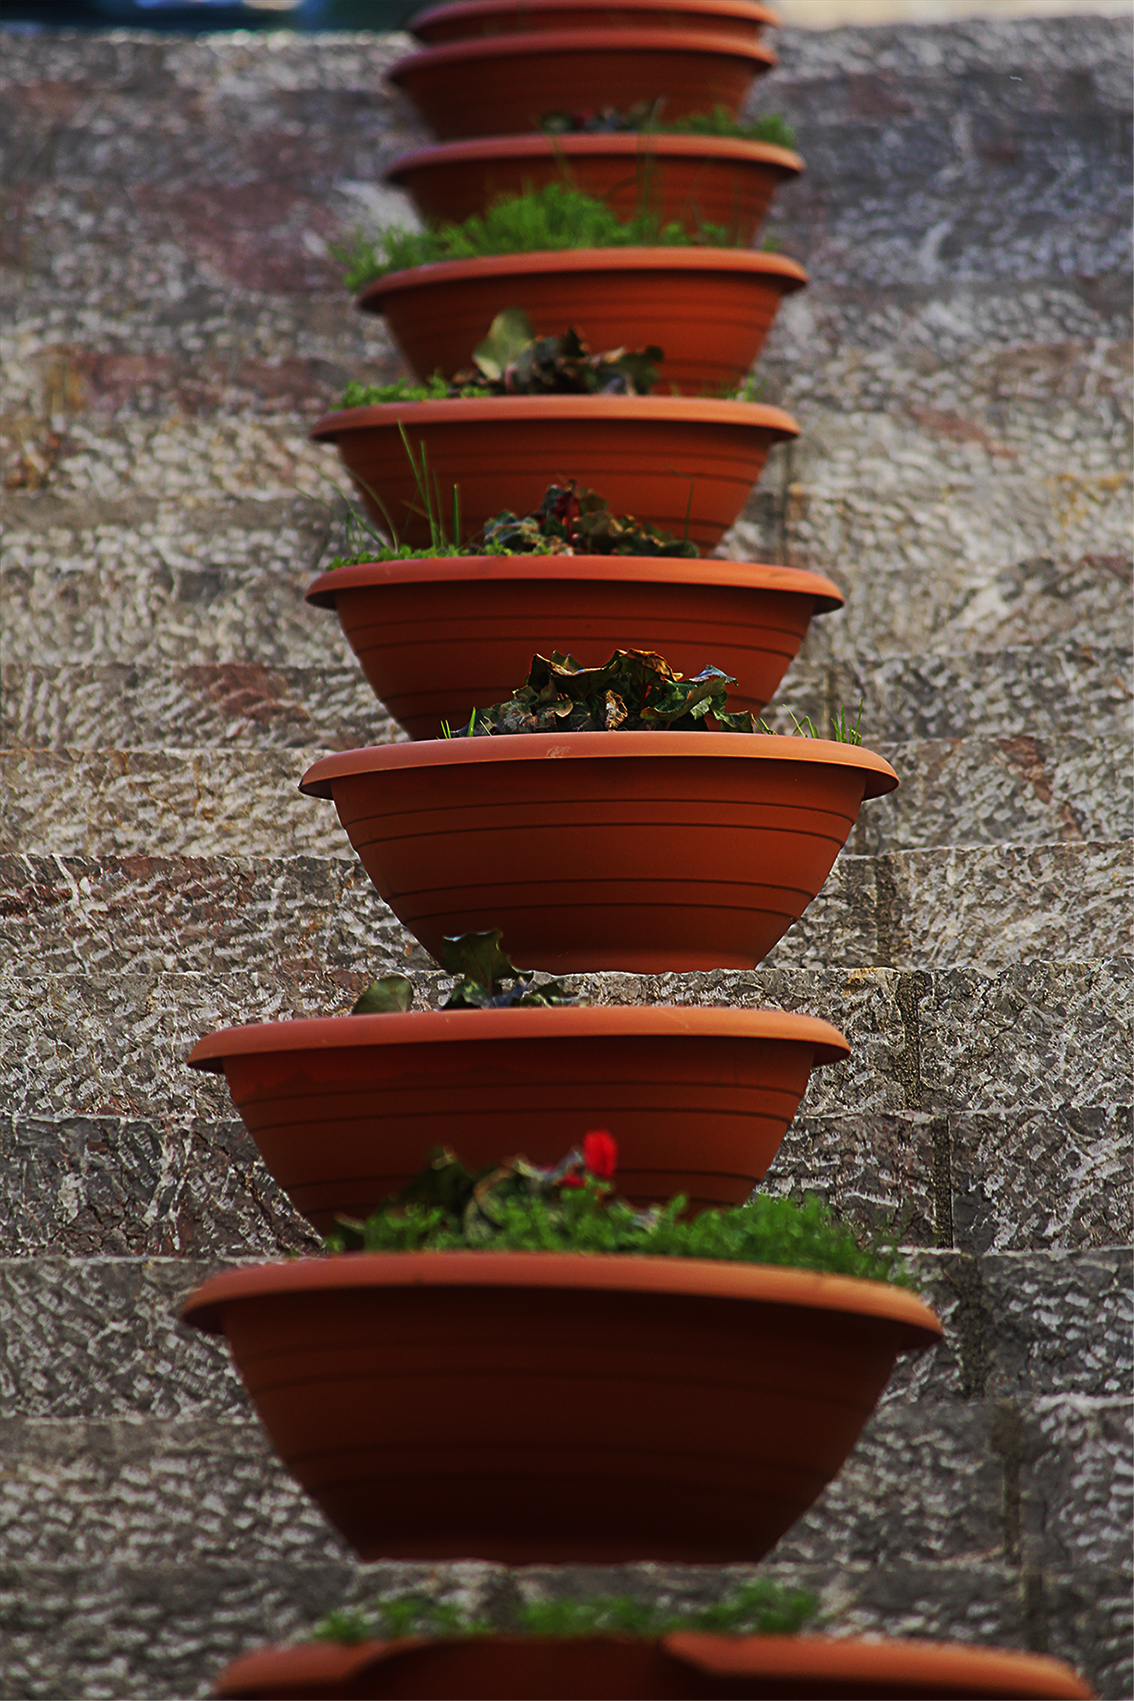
[{"x": 173, "y": 322}]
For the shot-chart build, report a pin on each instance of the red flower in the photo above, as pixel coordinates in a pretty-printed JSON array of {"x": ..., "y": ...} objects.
[{"x": 600, "y": 1154}]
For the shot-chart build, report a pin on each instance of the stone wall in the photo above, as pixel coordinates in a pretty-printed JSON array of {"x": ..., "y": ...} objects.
[{"x": 174, "y": 323}]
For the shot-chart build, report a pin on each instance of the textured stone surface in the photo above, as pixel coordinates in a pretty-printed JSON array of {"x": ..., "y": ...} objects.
[
  {"x": 1040, "y": 1036},
  {"x": 172, "y": 323},
  {"x": 918, "y": 909},
  {"x": 225, "y": 802}
]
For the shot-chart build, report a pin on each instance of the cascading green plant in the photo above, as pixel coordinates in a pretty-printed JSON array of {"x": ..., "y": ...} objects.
[
  {"x": 486, "y": 979},
  {"x": 552, "y": 219},
  {"x": 645, "y": 118},
  {"x": 759, "y": 1607}
]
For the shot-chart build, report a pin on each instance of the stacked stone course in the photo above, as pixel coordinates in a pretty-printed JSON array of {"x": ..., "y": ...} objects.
[{"x": 174, "y": 324}]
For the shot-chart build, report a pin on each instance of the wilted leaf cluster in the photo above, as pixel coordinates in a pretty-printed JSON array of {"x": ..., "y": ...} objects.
[
  {"x": 635, "y": 690},
  {"x": 759, "y": 1607},
  {"x": 574, "y": 521},
  {"x": 487, "y": 979}
]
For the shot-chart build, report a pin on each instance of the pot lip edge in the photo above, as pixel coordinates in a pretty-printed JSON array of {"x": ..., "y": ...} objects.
[
  {"x": 749, "y": 263},
  {"x": 640, "y": 410},
  {"x": 706, "y": 1279},
  {"x": 696, "y": 1647},
  {"x": 550, "y": 746},
  {"x": 483, "y": 149},
  {"x": 546, "y": 42},
  {"x": 465, "y": 1027},
  {"x": 597, "y": 569},
  {"x": 750, "y": 10}
]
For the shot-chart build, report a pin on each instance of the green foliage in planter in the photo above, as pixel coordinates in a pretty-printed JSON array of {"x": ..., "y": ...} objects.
[
  {"x": 756, "y": 1608},
  {"x": 635, "y": 690},
  {"x": 487, "y": 979},
  {"x": 644, "y": 117},
  {"x": 550, "y": 219},
  {"x": 576, "y": 521},
  {"x": 517, "y": 1207}
]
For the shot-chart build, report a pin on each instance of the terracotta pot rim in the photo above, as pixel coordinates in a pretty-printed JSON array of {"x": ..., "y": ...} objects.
[
  {"x": 584, "y": 746},
  {"x": 549, "y": 43},
  {"x": 453, "y": 1027},
  {"x": 537, "y": 144},
  {"x": 748, "y": 10},
  {"x": 711, "y": 1279},
  {"x": 774, "y": 268},
  {"x": 611, "y": 569},
  {"x": 741, "y": 1656},
  {"x": 478, "y": 410}
]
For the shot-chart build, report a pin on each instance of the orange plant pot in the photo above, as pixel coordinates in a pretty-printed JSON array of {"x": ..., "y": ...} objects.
[
  {"x": 687, "y": 1665},
  {"x": 708, "y": 309},
  {"x": 438, "y": 638},
  {"x": 499, "y": 84},
  {"x": 690, "y": 180},
  {"x": 540, "y": 1408},
  {"x": 646, "y": 851},
  {"x": 346, "y": 1109},
  {"x": 471, "y": 18},
  {"x": 660, "y": 458}
]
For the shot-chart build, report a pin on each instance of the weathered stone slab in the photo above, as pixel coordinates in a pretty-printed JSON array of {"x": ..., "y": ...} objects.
[
  {"x": 1034, "y": 690},
  {"x": 236, "y": 801},
  {"x": 984, "y": 907},
  {"x": 1040, "y": 1036}
]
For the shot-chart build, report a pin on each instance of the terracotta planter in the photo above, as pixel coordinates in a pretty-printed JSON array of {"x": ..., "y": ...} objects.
[
  {"x": 504, "y": 83},
  {"x": 345, "y": 1109},
  {"x": 690, "y": 179},
  {"x": 609, "y": 1668},
  {"x": 554, "y": 1407},
  {"x": 647, "y": 851},
  {"x": 639, "y": 452},
  {"x": 438, "y": 638},
  {"x": 708, "y": 309},
  {"x": 738, "y": 19}
]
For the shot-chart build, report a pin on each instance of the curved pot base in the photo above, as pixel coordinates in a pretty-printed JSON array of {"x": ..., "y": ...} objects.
[
  {"x": 643, "y": 851},
  {"x": 692, "y": 1667},
  {"x": 552, "y": 1407},
  {"x": 347, "y": 1109},
  {"x": 690, "y": 180},
  {"x": 441, "y": 637},
  {"x": 473, "y": 18}
]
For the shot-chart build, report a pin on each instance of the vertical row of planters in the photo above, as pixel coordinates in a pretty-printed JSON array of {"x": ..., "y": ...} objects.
[{"x": 595, "y": 1351}]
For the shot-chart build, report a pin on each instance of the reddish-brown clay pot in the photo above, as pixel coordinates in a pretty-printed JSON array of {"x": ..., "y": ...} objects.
[
  {"x": 691, "y": 180},
  {"x": 708, "y": 309},
  {"x": 644, "y": 454},
  {"x": 686, "y": 1665},
  {"x": 556, "y": 1407},
  {"x": 346, "y": 1109},
  {"x": 500, "y": 84},
  {"x": 647, "y": 851},
  {"x": 470, "y": 18},
  {"x": 441, "y": 637}
]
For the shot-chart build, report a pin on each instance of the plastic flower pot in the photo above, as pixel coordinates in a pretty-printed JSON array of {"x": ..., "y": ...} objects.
[
  {"x": 499, "y": 84},
  {"x": 538, "y": 1407},
  {"x": 470, "y": 18},
  {"x": 438, "y": 638},
  {"x": 347, "y": 1109},
  {"x": 647, "y": 851},
  {"x": 660, "y": 458},
  {"x": 708, "y": 309},
  {"x": 691, "y": 180},
  {"x": 684, "y": 1664}
]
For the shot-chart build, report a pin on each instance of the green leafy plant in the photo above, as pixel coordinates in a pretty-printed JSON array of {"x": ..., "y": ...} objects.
[
  {"x": 486, "y": 979},
  {"x": 759, "y": 1607},
  {"x": 573, "y": 520},
  {"x": 517, "y": 1207},
  {"x": 633, "y": 691},
  {"x": 553, "y": 218},
  {"x": 645, "y": 117},
  {"x": 843, "y": 729}
]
